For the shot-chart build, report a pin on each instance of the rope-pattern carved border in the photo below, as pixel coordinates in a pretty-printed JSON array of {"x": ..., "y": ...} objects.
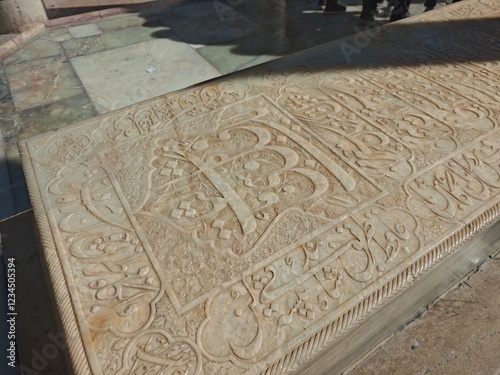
[
  {"x": 58, "y": 283},
  {"x": 336, "y": 329},
  {"x": 299, "y": 355}
]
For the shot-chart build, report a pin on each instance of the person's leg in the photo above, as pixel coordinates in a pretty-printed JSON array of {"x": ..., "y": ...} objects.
[
  {"x": 369, "y": 10},
  {"x": 401, "y": 10},
  {"x": 385, "y": 8},
  {"x": 430, "y": 4},
  {"x": 332, "y": 7}
]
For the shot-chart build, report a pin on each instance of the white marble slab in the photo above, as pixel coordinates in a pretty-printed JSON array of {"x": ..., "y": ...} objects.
[
  {"x": 105, "y": 74},
  {"x": 244, "y": 226}
]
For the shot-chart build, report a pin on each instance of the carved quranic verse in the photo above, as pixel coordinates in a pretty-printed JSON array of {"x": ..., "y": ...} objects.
[{"x": 242, "y": 226}]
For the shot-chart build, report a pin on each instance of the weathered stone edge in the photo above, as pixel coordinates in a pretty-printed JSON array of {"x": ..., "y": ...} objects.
[
  {"x": 299, "y": 355},
  {"x": 358, "y": 313},
  {"x": 58, "y": 285}
]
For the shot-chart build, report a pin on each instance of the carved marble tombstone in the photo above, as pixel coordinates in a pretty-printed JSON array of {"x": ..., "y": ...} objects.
[{"x": 243, "y": 226}]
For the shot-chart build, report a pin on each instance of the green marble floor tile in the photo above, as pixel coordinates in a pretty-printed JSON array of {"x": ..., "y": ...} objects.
[
  {"x": 151, "y": 18},
  {"x": 37, "y": 49},
  {"x": 269, "y": 14},
  {"x": 4, "y": 86},
  {"x": 85, "y": 30},
  {"x": 6, "y": 104},
  {"x": 214, "y": 30},
  {"x": 310, "y": 28},
  {"x": 42, "y": 81},
  {"x": 59, "y": 34},
  {"x": 186, "y": 12},
  {"x": 244, "y": 52},
  {"x": 133, "y": 35},
  {"x": 115, "y": 39},
  {"x": 26, "y": 124},
  {"x": 83, "y": 46},
  {"x": 10, "y": 126},
  {"x": 120, "y": 22},
  {"x": 35, "y": 121}
]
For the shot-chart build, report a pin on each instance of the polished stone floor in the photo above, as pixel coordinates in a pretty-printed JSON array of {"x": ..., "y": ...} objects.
[{"x": 71, "y": 73}]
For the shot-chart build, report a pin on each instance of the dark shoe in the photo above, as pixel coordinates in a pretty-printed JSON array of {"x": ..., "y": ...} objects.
[
  {"x": 427, "y": 9},
  {"x": 385, "y": 12},
  {"x": 333, "y": 9},
  {"x": 399, "y": 17}
]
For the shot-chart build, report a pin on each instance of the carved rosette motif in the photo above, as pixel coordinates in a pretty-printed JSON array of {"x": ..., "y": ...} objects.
[
  {"x": 219, "y": 198},
  {"x": 224, "y": 228}
]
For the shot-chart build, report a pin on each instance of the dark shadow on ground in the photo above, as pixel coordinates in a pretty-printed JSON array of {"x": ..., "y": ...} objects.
[
  {"x": 39, "y": 335},
  {"x": 422, "y": 41}
]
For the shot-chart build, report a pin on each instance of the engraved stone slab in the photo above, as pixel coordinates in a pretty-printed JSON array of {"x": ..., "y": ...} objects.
[{"x": 243, "y": 226}]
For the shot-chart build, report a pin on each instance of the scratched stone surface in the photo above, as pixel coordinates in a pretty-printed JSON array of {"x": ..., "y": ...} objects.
[{"x": 244, "y": 225}]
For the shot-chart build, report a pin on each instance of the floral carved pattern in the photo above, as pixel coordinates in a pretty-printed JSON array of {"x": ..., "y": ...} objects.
[{"x": 244, "y": 225}]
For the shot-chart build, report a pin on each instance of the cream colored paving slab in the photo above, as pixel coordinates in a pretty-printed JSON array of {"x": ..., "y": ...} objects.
[
  {"x": 83, "y": 31},
  {"x": 246, "y": 225},
  {"x": 116, "y": 78}
]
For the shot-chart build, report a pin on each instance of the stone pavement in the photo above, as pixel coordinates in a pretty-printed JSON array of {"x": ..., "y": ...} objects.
[{"x": 103, "y": 98}]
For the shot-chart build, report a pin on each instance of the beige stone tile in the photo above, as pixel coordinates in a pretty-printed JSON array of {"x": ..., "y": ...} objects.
[
  {"x": 83, "y": 31},
  {"x": 37, "y": 49},
  {"x": 117, "y": 78}
]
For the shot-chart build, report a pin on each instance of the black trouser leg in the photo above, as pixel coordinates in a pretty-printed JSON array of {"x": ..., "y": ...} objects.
[
  {"x": 401, "y": 10},
  {"x": 430, "y": 4},
  {"x": 369, "y": 9}
]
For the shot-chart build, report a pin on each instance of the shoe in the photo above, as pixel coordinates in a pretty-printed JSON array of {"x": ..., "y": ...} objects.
[
  {"x": 334, "y": 9},
  {"x": 398, "y": 17},
  {"x": 427, "y": 9},
  {"x": 385, "y": 12}
]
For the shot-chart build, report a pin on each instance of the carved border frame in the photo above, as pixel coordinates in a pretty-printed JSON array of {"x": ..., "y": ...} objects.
[
  {"x": 59, "y": 285},
  {"x": 299, "y": 355}
]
